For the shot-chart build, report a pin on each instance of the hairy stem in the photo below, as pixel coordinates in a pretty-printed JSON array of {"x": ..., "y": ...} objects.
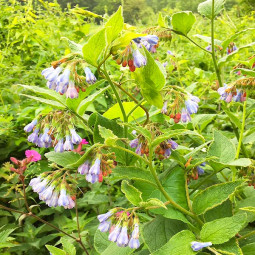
[{"x": 247, "y": 235}]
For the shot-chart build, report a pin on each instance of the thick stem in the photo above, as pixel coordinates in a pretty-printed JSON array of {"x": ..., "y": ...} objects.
[
  {"x": 187, "y": 192},
  {"x": 242, "y": 131},
  {"x": 247, "y": 235},
  {"x": 139, "y": 104},
  {"x": 24, "y": 194},
  {"x": 217, "y": 70}
]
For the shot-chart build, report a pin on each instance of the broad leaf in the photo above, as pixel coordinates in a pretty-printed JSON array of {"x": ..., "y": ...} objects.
[
  {"x": 94, "y": 47},
  {"x": 157, "y": 232},
  {"x": 87, "y": 101},
  {"x": 221, "y": 230},
  {"x": 179, "y": 244},
  {"x": 152, "y": 202},
  {"x": 55, "y": 251},
  {"x": 205, "y": 8},
  {"x": 108, "y": 135},
  {"x": 131, "y": 193},
  {"x": 213, "y": 196},
  {"x": 114, "y": 25},
  {"x": 151, "y": 80},
  {"x": 230, "y": 247},
  {"x": 248, "y": 249},
  {"x": 64, "y": 158},
  {"x": 182, "y": 22}
]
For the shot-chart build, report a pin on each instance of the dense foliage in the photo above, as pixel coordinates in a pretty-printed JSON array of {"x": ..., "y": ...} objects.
[{"x": 118, "y": 139}]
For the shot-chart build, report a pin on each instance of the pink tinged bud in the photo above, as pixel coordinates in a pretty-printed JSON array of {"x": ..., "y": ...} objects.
[
  {"x": 34, "y": 155},
  {"x": 63, "y": 198},
  {"x": 104, "y": 226},
  {"x": 122, "y": 240},
  {"x": 197, "y": 246},
  {"x": 68, "y": 146},
  {"x": 105, "y": 216},
  {"x": 14, "y": 160},
  {"x": 71, "y": 91},
  {"x": 164, "y": 108},
  {"x": 84, "y": 168},
  {"x": 114, "y": 234},
  {"x": 59, "y": 146},
  {"x": 28, "y": 128},
  {"x": 229, "y": 98},
  {"x": 76, "y": 139}
]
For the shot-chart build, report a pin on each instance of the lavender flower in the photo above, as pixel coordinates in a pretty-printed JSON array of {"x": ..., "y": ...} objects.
[
  {"x": 185, "y": 116},
  {"x": 71, "y": 91},
  {"x": 122, "y": 240},
  {"x": 115, "y": 233},
  {"x": 104, "y": 226},
  {"x": 63, "y": 198},
  {"x": 197, "y": 246},
  {"x": 173, "y": 144},
  {"x": 90, "y": 77},
  {"x": 139, "y": 59},
  {"x": 45, "y": 138},
  {"x": 84, "y": 168},
  {"x": 53, "y": 200},
  {"x": 134, "y": 143},
  {"x": 134, "y": 240},
  {"x": 59, "y": 146},
  {"x": 33, "y": 138},
  {"x": 47, "y": 193},
  {"x": 164, "y": 108},
  {"x": 52, "y": 75},
  {"x": 28, "y": 128},
  {"x": 68, "y": 146},
  {"x": 71, "y": 203},
  {"x": 40, "y": 186},
  {"x": 105, "y": 216},
  {"x": 76, "y": 139}
]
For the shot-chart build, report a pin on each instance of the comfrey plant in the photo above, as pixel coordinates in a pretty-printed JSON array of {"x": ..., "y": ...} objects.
[{"x": 146, "y": 152}]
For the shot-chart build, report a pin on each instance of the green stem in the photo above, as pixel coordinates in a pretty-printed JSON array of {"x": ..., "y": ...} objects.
[
  {"x": 139, "y": 103},
  {"x": 242, "y": 131},
  {"x": 187, "y": 192},
  {"x": 217, "y": 70},
  {"x": 162, "y": 190},
  {"x": 247, "y": 235},
  {"x": 207, "y": 51}
]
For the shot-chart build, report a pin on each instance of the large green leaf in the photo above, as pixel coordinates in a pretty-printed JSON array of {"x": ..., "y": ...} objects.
[
  {"x": 64, "y": 158},
  {"x": 104, "y": 247},
  {"x": 231, "y": 247},
  {"x": 131, "y": 193},
  {"x": 213, "y": 196},
  {"x": 55, "y": 251},
  {"x": 87, "y": 101},
  {"x": 182, "y": 22},
  {"x": 94, "y": 47},
  {"x": 221, "y": 230},
  {"x": 157, "y": 232},
  {"x": 227, "y": 58},
  {"x": 248, "y": 249},
  {"x": 114, "y": 112},
  {"x": 179, "y": 244},
  {"x": 222, "y": 148},
  {"x": 205, "y": 8},
  {"x": 151, "y": 80},
  {"x": 114, "y": 25}
]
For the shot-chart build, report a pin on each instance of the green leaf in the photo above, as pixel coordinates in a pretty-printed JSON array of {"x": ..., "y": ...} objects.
[
  {"x": 182, "y": 22},
  {"x": 213, "y": 196},
  {"x": 151, "y": 80},
  {"x": 152, "y": 202},
  {"x": 222, "y": 148},
  {"x": 248, "y": 209},
  {"x": 87, "y": 101},
  {"x": 244, "y": 162},
  {"x": 179, "y": 244},
  {"x": 134, "y": 173},
  {"x": 114, "y": 112},
  {"x": 64, "y": 158},
  {"x": 161, "y": 20},
  {"x": 205, "y": 8},
  {"x": 68, "y": 247},
  {"x": 208, "y": 39},
  {"x": 132, "y": 194},
  {"x": 157, "y": 232},
  {"x": 248, "y": 249},
  {"x": 107, "y": 134},
  {"x": 245, "y": 71},
  {"x": 233, "y": 37},
  {"x": 114, "y": 25},
  {"x": 231, "y": 247},
  {"x": 235, "y": 120},
  {"x": 46, "y": 93},
  {"x": 227, "y": 58},
  {"x": 46, "y": 101},
  {"x": 94, "y": 47},
  {"x": 221, "y": 230},
  {"x": 55, "y": 250},
  {"x": 104, "y": 247}
]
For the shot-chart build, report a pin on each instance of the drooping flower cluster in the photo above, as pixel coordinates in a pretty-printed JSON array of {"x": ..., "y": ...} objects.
[
  {"x": 197, "y": 246},
  {"x": 181, "y": 107},
  {"x": 51, "y": 191},
  {"x": 229, "y": 93},
  {"x": 131, "y": 55},
  {"x": 60, "y": 78},
  {"x": 231, "y": 48},
  {"x": 163, "y": 33},
  {"x": 101, "y": 166},
  {"x": 54, "y": 130},
  {"x": 123, "y": 228},
  {"x": 196, "y": 172},
  {"x": 163, "y": 150}
]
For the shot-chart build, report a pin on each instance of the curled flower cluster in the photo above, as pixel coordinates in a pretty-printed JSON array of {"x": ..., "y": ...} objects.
[
  {"x": 231, "y": 48},
  {"x": 197, "y": 246},
  {"x": 196, "y": 172},
  {"x": 95, "y": 170},
  {"x": 163, "y": 150},
  {"x": 122, "y": 226},
  {"x": 187, "y": 107},
  {"x": 51, "y": 193},
  {"x": 229, "y": 93},
  {"x": 132, "y": 57},
  {"x": 53, "y": 130},
  {"x": 62, "y": 80}
]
